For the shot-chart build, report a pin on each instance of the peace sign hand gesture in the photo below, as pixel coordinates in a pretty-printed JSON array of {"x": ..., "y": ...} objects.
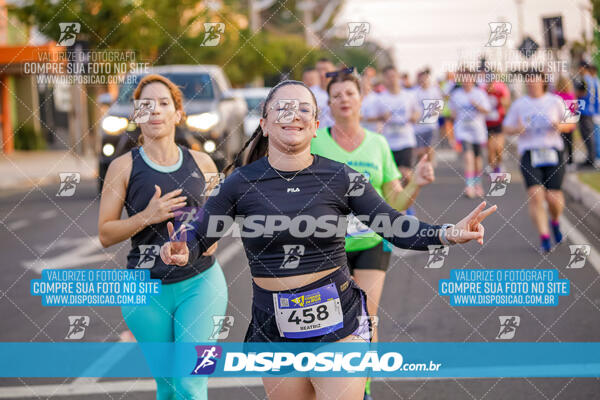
[
  {"x": 470, "y": 228},
  {"x": 175, "y": 251}
]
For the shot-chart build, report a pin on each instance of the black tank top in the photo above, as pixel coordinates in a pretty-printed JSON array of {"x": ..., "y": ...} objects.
[{"x": 145, "y": 245}]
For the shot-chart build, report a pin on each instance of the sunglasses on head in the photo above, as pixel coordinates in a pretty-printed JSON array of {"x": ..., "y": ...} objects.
[{"x": 344, "y": 71}]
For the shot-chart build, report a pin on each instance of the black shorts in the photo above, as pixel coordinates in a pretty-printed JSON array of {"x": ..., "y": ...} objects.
[
  {"x": 263, "y": 327},
  {"x": 494, "y": 130},
  {"x": 374, "y": 258},
  {"x": 403, "y": 157},
  {"x": 474, "y": 147},
  {"x": 550, "y": 177},
  {"x": 424, "y": 138}
]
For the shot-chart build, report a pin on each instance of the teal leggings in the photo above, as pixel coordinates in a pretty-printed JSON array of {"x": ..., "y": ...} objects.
[{"x": 182, "y": 312}]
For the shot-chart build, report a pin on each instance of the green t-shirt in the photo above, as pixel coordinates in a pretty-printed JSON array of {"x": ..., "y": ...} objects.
[{"x": 372, "y": 158}]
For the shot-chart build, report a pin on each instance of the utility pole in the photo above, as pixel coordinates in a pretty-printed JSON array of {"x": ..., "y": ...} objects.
[
  {"x": 520, "y": 19},
  {"x": 306, "y": 7},
  {"x": 256, "y": 6}
]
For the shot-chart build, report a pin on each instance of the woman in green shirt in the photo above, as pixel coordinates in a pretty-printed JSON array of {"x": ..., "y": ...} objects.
[{"x": 368, "y": 153}]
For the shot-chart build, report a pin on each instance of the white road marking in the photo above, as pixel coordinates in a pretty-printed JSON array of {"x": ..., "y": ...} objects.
[
  {"x": 405, "y": 253},
  {"x": 141, "y": 385},
  {"x": 102, "y": 364},
  {"x": 48, "y": 214},
  {"x": 225, "y": 255},
  {"x": 446, "y": 155},
  {"x": 81, "y": 252},
  {"x": 18, "y": 224}
]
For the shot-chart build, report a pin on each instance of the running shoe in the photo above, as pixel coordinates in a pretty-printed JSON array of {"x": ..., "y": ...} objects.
[
  {"x": 479, "y": 191},
  {"x": 558, "y": 237},
  {"x": 470, "y": 192},
  {"x": 546, "y": 245}
]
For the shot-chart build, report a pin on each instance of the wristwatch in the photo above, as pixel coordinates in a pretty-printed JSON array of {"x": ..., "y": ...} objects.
[{"x": 443, "y": 238}]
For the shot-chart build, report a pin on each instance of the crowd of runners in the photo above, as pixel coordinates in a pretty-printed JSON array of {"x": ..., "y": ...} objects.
[
  {"x": 473, "y": 114},
  {"x": 336, "y": 144}
]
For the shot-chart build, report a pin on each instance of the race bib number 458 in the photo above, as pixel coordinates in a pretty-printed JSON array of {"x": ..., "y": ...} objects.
[{"x": 307, "y": 314}]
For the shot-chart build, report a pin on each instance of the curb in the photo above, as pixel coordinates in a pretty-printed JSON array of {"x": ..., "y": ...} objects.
[
  {"x": 26, "y": 170},
  {"x": 582, "y": 193},
  {"x": 30, "y": 182}
]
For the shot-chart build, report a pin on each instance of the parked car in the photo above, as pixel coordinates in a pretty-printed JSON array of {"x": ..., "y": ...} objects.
[
  {"x": 254, "y": 100},
  {"x": 215, "y": 115}
]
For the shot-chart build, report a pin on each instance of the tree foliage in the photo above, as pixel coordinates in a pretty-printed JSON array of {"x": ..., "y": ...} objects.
[{"x": 171, "y": 32}]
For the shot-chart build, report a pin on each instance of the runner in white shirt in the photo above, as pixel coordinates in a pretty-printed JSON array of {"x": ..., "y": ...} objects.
[
  {"x": 370, "y": 117},
  {"x": 311, "y": 77},
  {"x": 469, "y": 105},
  {"x": 537, "y": 119},
  {"x": 425, "y": 132},
  {"x": 398, "y": 129},
  {"x": 323, "y": 66}
]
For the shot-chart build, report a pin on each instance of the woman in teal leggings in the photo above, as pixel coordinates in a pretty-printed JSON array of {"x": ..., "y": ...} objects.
[
  {"x": 190, "y": 295},
  {"x": 182, "y": 313}
]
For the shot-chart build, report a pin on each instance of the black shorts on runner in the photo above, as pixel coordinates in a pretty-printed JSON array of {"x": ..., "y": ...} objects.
[
  {"x": 425, "y": 138},
  {"x": 403, "y": 157},
  {"x": 474, "y": 147},
  {"x": 494, "y": 130},
  {"x": 263, "y": 327},
  {"x": 550, "y": 177},
  {"x": 374, "y": 258}
]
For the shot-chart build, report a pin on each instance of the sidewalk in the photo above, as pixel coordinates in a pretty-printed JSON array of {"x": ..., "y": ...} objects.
[
  {"x": 582, "y": 193},
  {"x": 24, "y": 169}
]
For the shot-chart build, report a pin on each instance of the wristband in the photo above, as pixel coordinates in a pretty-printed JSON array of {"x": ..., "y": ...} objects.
[{"x": 443, "y": 238}]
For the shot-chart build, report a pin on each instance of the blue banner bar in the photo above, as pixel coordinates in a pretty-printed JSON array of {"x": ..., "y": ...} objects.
[{"x": 300, "y": 359}]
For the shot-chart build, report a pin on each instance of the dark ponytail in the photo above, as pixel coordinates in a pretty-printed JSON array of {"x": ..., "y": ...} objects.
[
  {"x": 258, "y": 149},
  {"x": 259, "y": 144}
]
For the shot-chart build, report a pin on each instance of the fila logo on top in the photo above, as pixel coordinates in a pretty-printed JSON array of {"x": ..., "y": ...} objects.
[{"x": 293, "y": 190}]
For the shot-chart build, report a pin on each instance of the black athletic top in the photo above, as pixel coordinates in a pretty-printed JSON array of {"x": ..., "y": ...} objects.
[
  {"x": 145, "y": 245},
  {"x": 324, "y": 191}
]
